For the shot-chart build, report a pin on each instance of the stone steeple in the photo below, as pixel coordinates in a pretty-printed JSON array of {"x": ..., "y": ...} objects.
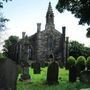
[{"x": 49, "y": 17}]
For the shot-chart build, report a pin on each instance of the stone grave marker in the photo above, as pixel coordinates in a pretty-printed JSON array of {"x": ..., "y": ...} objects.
[
  {"x": 52, "y": 73},
  {"x": 25, "y": 74},
  {"x": 72, "y": 73},
  {"x": 8, "y": 74},
  {"x": 85, "y": 76}
]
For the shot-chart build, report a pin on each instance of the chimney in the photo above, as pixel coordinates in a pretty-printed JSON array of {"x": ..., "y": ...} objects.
[
  {"x": 38, "y": 27},
  {"x": 67, "y": 39},
  {"x": 23, "y": 35},
  {"x": 63, "y": 30}
]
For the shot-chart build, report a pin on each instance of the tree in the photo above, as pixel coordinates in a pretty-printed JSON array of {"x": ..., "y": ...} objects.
[
  {"x": 77, "y": 49},
  {"x": 86, "y": 51},
  {"x": 1, "y": 2},
  {"x": 2, "y": 19},
  {"x": 9, "y": 44},
  {"x": 88, "y": 32},
  {"x": 80, "y": 8}
]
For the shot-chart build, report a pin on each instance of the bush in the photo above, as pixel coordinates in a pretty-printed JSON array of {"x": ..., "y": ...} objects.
[
  {"x": 88, "y": 63},
  {"x": 70, "y": 62},
  {"x": 2, "y": 57},
  {"x": 81, "y": 63}
]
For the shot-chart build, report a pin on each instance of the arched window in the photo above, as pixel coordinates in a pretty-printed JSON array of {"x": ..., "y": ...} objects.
[
  {"x": 50, "y": 42},
  {"x": 30, "y": 52}
]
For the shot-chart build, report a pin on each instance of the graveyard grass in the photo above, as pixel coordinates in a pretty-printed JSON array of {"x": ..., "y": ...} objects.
[{"x": 38, "y": 82}]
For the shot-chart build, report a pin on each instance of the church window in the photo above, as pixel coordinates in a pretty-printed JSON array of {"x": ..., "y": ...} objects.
[
  {"x": 50, "y": 43},
  {"x": 30, "y": 53}
]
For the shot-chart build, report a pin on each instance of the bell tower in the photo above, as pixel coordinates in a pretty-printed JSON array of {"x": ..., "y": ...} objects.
[{"x": 49, "y": 17}]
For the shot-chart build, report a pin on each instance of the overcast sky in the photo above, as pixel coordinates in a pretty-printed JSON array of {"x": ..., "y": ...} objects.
[{"x": 25, "y": 14}]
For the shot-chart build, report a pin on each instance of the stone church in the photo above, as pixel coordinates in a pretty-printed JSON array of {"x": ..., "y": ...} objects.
[{"x": 45, "y": 44}]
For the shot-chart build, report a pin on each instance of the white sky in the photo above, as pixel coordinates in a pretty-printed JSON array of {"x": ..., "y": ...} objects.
[{"x": 24, "y": 14}]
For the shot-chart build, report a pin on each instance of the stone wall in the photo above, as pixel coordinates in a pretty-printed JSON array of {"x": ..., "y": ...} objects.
[{"x": 41, "y": 44}]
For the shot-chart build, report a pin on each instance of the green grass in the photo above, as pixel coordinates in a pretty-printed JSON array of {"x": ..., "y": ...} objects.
[{"x": 38, "y": 82}]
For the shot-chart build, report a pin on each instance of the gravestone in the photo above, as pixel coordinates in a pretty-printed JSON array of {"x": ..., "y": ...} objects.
[
  {"x": 8, "y": 75},
  {"x": 25, "y": 71},
  {"x": 72, "y": 73},
  {"x": 25, "y": 74},
  {"x": 85, "y": 76},
  {"x": 36, "y": 68},
  {"x": 24, "y": 58},
  {"x": 52, "y": 73}
]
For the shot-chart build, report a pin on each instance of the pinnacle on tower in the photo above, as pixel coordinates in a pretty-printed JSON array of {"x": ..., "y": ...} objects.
[
  {"x": 50, "y": 11},
  {"x": 49, "y": 16},
  {"x": 50, "y": 8}
]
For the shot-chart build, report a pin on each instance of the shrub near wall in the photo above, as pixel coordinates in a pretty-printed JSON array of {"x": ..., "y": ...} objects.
[
  {"x": 70, "y": 61},
  {"x": 88, "y": 63},
  {"x": 72, "y": 69},
  {"x": 80, "y": 64}
]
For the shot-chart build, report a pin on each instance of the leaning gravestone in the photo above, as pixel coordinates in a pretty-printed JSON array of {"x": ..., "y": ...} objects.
[
  {"x": 36, "y": 67},
  {"x": 8, "y": 75},
  {"x": 52, "y": 73}
]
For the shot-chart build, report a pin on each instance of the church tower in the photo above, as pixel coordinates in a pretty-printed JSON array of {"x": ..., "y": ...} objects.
[{"x": 49, "y": 17}]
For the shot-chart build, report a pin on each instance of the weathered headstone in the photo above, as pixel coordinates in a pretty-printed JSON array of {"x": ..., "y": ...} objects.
[
  {"x": 36, "y": 67},
  {"x": 25, "y": 71},
  {"x": 24, "y": 58},
  {"x": 8, "y": 75},
  {"x": 52, "y": 73},
  {"x": 85, "y": 76},
  {"x": 25, "y": 74},
  {"x": 72, "y": 73}
]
